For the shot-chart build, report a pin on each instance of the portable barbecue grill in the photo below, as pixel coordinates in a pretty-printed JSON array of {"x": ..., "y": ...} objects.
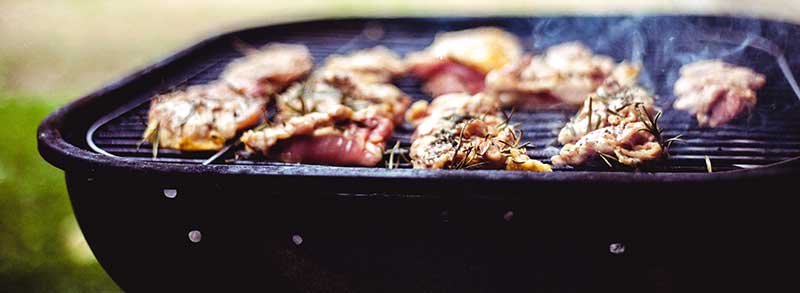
[{"x": 200, "y": 220}]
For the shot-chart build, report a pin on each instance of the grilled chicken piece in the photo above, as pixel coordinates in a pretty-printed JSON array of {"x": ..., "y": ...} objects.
[
  {"x": 424, "y": 116},
  {"x": 268, "y": 71},
  {"x": 332, "y": 137},
  {"x": 342, "y": 116},
  {"x": 200, "y": 117},
  {"x": 204, "y": 117},
  {"x": 371, "y": 66},
  {"x": 460, "y": 131},
  {"x": 335, "y": 89},
  {"x": 459, "y": 61},
  {"x": 630, "y": 143},
  {"x": 617, "y": 121},
  {"x": 360, "y": 80},
  {"x": 612, "y": 104},
  {"x": 716, "y": 92},
  {"x": 562, "y": 77}
]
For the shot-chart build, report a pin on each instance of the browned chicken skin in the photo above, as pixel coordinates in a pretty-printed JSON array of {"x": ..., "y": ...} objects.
[
  {"x": 615, "y": 122},
  {"x": 612, "y": 104},
  {"x": 461, "y": 131},
  {"x": 371, "y": 66},
  {"x": 342, "y": 115},
  {"x": 203, "y": 117},
  {"x": 266, "y": 72},
  {"x": 561, "y": 77},
  {"x": 323, "y": 137},
  {"x": 458, "y": 61},
  {"x": 630, "y": 143},
  {"x": 716, "y": 92},
  {"x": 200, "y": 118}
]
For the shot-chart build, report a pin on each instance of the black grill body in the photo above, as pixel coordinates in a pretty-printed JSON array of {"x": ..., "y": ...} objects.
[{"x": 309, "y": 228}]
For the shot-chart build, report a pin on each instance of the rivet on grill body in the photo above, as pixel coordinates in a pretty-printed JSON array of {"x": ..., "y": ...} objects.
[
  {"x": 297, "y": 239},
  {"x": 616, "y": 248},
  {"x": 195, "y": 236},
  {"x": 170, "y": 193},
  {"x": 508, "y": 216}
]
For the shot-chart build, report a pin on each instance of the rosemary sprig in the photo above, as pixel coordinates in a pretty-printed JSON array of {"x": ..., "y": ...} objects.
[
  {"x": 303, "y": 110},
  {"x": 152, "y": 138},
  {"x": 651, "y": 124},
  {"x": 476, "y": 165},
  {"x": 459, "y": 143},
  {"x": 395, "y": 156},
  {"x": 264, "y": 125},
  {"x": 300, "y": 96},
  {"x": 668, "y": 142},
  {"x": 506, "y": 119},
  {"x": 486, "y": 139},
  {"x": 156, "y": 141},
  {"x": 469, "y": 155},
  {"x": 589, "y": 122},
  {"x": 391, "y": 156},
  {"x": 607, "y": 157},
  {"x": 188, "y": 116}
]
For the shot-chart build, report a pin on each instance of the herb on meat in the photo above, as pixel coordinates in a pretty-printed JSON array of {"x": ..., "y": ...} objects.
[
  {"x": 395, "y": 151},
  {"x": 506, "y": 119},
  {"x": 607, "y": 157},
  {"x": 651, "y": 124},
  {"x": 156, "y": 141},
  {"x": 589, "y": 122}
]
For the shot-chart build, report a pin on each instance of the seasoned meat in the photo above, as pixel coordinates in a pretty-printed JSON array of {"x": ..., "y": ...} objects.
[
  {"x": 459, "y": 131},
  {"x": 323, "y": 138},
  {"x": 204, "y": 117},
  {"x": 447, "y": 76},
  {"x": 375, "y": 65},
  {"x": 360, "y": 80},
  {"x": 200, "y": 117},
  {"x": 716, "y": 92},
  {"x": 618, "y": 122},
  {"x": 342, "y": 115},
  {"x": 561, "y": 77},
  {"x": 366, "y": 99},
  {"x": 450, "y": 104},
  {"x": 458, "y": 61},
  {"x": 630, "y": 143},
  {"x": 266, "y": 72},
  {"x": 612, "y": 104}
]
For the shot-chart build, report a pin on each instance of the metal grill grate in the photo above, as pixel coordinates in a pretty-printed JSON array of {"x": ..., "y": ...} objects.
[{"x": 769, "y": 134}]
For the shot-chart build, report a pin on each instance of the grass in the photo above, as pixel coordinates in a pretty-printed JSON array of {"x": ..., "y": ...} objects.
[{"x": 42, "y": 247}]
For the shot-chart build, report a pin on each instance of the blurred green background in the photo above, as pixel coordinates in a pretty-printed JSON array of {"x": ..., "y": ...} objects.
[{"x": 54, "y": 51}]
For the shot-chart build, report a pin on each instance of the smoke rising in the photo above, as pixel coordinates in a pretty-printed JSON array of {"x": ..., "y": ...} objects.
[{"x": 664, "y": 44}]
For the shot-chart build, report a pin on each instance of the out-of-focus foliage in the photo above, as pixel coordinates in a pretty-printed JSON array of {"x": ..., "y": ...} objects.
[{"x": 41, "y": 247}]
